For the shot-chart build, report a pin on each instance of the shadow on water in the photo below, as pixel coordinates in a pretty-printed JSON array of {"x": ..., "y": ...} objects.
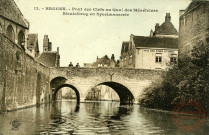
[{"x": 123, "y": 110}]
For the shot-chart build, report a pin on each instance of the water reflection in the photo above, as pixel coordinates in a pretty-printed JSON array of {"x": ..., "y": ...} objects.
[{"x": 68, "y": 117}]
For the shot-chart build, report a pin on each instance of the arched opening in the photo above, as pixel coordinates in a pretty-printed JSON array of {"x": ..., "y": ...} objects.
[
  {"x": 54, "y": 96},
  {"x": 58, "y": 83},
  {"x": 102, "y": 93},
  {"x": 10, "y": 33},
  {"x": 21, "y": 38},
  {"x": 125, "y": 95}
]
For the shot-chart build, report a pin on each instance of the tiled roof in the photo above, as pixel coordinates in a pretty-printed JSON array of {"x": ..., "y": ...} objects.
[
  {"x": 166, "y": 28},
  {"x": 155, "y": 42},
  {"x": 9, "y": 10},
  {"x": 124, "y": 48},
  {"x": 48, "y": 58}
]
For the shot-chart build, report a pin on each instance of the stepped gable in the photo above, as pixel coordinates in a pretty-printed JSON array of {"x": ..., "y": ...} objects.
[{"x": 10, "y": 11}]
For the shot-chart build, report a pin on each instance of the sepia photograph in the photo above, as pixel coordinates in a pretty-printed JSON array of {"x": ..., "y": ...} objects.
[{"x": 104, "y": 67}]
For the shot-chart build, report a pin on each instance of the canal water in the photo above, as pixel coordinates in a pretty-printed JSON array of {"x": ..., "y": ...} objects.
[{"x": 91, "y": 118}]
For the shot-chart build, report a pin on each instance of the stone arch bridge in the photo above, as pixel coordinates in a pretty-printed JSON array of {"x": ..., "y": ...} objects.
[{"x": 127, "y": 83}]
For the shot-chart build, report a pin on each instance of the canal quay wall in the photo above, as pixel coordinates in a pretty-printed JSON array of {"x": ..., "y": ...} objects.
[{"x": 23, "y": 81}]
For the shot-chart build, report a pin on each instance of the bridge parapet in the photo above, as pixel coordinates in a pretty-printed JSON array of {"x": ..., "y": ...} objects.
[{"x": 131, "y": 73}]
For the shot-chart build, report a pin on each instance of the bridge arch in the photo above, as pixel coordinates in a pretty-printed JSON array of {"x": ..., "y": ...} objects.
[
  {"x": 57, "y": 81},
  {"x": 66, "y": 85},
  {"x": 60, "y": 82},
  {"x": 123, "y": 92}
]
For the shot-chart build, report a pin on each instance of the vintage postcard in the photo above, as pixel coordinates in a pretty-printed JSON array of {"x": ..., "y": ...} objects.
[{"x": 104, "y": 67}]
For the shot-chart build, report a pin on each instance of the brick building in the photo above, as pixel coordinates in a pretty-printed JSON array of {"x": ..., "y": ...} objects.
[
  {"x": 193, "y": 26},
  {"x": 156, "y": 51}
]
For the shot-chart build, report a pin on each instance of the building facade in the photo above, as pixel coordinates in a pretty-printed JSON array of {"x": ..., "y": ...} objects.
[
  {"x": 193, "y": 26},
  {"x": 13, "y": 24},
  {"x": 102, "y": 93},
  {"x": 104, "y": 61},
  {"x": 156, "y": 51}
]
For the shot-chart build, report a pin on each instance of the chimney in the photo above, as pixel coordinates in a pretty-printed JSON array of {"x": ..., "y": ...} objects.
[
  {"x": 113, "y": 57},
  {"x": 46, "y": 43},
  {"x": 157, "y": 26},
  {"x": 167, "y": 17},
  {"x": 97, "y": 57},
  {"x": 151, "y": 33},
  {"x": 50, "y": 46}
]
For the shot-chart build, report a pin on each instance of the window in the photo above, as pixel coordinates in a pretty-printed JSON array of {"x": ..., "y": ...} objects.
[
  {"x": 124, "y": 61},
  {"x": 21, "y": 38},
  {"x": 158, "y": 57},
  {"x": 10, "y": 33},
  {"x": 130, "y": 59},
  {"x": 173, "y": 58}
]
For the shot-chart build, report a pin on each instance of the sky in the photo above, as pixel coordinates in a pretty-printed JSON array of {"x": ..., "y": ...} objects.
[{"x": 82, "y": 38}]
